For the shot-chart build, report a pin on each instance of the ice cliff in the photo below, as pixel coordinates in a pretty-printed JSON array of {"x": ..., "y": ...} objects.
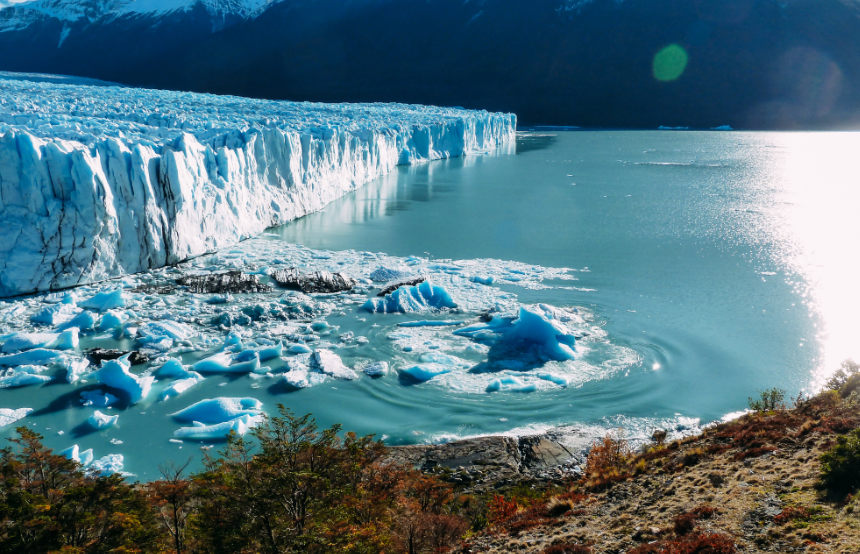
[{"x": 102, "y": 181}]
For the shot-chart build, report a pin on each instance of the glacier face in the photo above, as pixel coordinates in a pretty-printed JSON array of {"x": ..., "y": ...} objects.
[{"x": 102, "y": 181}]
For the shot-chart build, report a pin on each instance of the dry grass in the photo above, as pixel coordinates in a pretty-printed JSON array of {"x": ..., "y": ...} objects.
[{"x": 751, "y": 485}]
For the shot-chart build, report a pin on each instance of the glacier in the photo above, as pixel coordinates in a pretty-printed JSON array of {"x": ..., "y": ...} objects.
[{"x": 100, "y": 181}]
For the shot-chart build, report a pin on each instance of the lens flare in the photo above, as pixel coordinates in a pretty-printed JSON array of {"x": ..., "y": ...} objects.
[{"x": 669, "y": 63}]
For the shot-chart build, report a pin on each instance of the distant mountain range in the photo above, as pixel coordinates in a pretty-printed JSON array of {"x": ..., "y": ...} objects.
[{"x": 597, "y": 63}]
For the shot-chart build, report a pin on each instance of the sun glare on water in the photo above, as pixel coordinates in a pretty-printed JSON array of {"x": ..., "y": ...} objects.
[{"x": 816, "y": 215}]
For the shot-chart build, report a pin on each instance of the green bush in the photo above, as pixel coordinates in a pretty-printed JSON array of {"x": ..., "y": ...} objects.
[
  {"x": 768, "y": 401},
  {"x": 840, "y": 466},
  {"x": 846, "y": 379}
]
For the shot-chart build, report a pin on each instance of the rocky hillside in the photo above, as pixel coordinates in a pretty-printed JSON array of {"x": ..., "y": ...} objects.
[{"x": 752, "y": 485}]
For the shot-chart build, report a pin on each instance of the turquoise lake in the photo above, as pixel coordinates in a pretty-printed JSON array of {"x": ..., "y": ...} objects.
[{"x": 708, "y": 266}]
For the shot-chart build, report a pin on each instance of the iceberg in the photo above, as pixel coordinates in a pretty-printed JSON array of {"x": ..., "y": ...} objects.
[
  {"x": 376, "y": 369},
  {"x": 17, "y": 342},
  {"x": 83, "y": 457},
  {"x": 23, "y": 376},
  {"x": 104, "y": 301},
  {"x": 510, "y": 384},
  {"x": 227, "y": 362},
  {"x": 178, "y": 387},
  {"x": 302, "y": 378},
  {"x": 424, "y": 372},
  {"x": 108, "y": 465},
  {"x": 36, "y": 356},
  {"x": 330, "y": 363},
  {"x": 218, "y": 431},
  {"x": 417, "y": 298},
  {"x": 538, "y": 334},
  {"x": 100, "y": 420},
  {"x": 9, "y": 416},
  {"x": 117, "y": 375},
  {"x": 103, "y": 181},
  {"x": 219, "y": 410}
]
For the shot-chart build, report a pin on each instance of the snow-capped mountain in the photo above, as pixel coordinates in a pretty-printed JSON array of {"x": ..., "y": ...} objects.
[
  {"x": 95, "y": 10},
  {"x": 20, "y": 14},
  {"x": 744, "y": 63}
]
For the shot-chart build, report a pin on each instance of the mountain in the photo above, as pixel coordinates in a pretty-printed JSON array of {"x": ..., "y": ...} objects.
[{"x": 605, "y": 63}]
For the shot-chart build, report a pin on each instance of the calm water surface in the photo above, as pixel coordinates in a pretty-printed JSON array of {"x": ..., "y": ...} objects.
[{"x": 728, "y": 260}]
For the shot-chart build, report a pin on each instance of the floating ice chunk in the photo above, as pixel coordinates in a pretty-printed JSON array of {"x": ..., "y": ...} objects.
[
  {"x": 84, "y": 321},
  {"x": 98, "y": 398},
  {"x": 511, "y": 384},
  {"x": 218, "y": 410},
  {"x": 442, "y": 359},
  {"x": 16, "y": 342},
  {"x": 112, "y": 320},
  {"x": 104, "y": 301},
  {"x": 75, "y": 368},
  {"x": 425, "y": 372},
  {"x": 67, "y": 340},
  {"x": 53, "y": 315},
  {"x": 172, "y": 368},
  {"x": 225, "y": 362},
  {"x": 537, "y": 330},
  {"x": 23, "y": 376},
  {"x": 179, "y": 386},
  {"x": 559, "y": 380},
  {"x": 74, "y": 452},
  {"x": 270, "y": 352},
  {"x": 302, "y": 378},
  {"x": 9, "y": 416},
  {"x": 376, "y": 369},
  {"x": 36, "y": 356},
  {"x": 100, "y": 420},
  {"x": 484, "y": 280},
  {"x": 200, "y": 431},
  {"x": 166, "y": 328},
  {"x": 417, "y": 298},
  {"x": 116, "y": 374},
  {"x": 386, "y": 274},
  {"x": 299, "y": 349},
  {"x": 217, "y": 363},
  {"x": 108, "y": 465},
  {"x": 330, "y": 363}
]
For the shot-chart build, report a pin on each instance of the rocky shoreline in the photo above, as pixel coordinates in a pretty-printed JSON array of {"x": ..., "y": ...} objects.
[{"x": 482, "y": 464}]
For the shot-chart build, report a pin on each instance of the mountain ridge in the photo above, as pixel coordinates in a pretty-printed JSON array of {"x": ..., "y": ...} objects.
[{"x": 750, "y": 64}]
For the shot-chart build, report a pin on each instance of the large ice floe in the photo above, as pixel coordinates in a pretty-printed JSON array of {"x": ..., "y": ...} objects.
[{"x": 102, "y": 181}]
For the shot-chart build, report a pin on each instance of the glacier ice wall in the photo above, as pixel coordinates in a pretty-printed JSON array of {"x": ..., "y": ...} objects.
[{"x": 102, "y": 181}]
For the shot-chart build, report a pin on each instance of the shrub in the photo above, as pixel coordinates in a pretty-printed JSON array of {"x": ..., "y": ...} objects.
[
  {"x": 501, "y": 510},
  {"x": 846, "y": 373},
  {"x": 840, "y": 466},
  {"x": 607, "y": 462},
  {"x": 768, "y": 401}
]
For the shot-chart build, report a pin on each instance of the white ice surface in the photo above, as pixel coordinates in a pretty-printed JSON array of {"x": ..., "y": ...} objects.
[
  {"x": 219, "y": 410},
  {"x": 9, "y": 416},
  {"x": 101, "y": 181}
]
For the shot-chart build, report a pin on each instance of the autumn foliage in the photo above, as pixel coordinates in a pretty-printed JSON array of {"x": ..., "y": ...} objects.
[{"x": 292, "y": 488}]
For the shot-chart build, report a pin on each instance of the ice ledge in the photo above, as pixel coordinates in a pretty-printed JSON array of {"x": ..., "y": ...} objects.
[{"x": 98, "y": 182}]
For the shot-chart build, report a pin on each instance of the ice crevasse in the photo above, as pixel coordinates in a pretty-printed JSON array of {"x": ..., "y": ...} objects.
[{"x": 102, "y": 181}]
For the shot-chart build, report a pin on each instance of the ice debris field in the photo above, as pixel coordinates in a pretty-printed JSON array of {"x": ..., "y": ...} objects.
[
  {"x": 188, "y": 353},
  {"x": 101, "y": 181}
]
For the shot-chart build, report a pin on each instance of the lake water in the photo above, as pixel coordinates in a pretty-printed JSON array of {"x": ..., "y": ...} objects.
[{"x": 707, "y": 266}]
